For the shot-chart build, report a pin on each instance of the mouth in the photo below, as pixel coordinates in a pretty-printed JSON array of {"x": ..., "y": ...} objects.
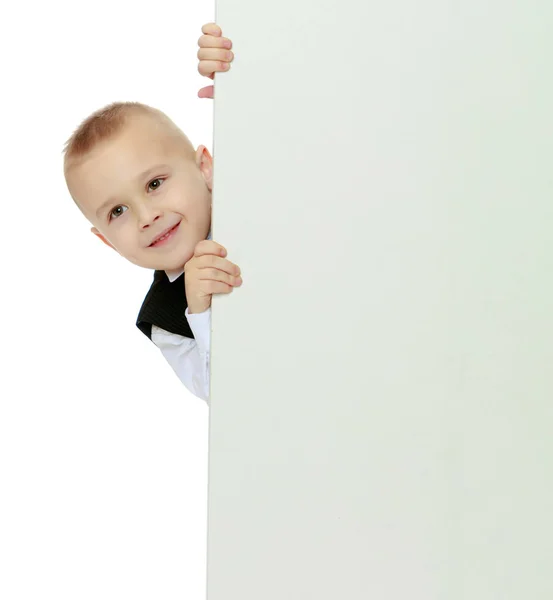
[{"x": 164, "y": 236}]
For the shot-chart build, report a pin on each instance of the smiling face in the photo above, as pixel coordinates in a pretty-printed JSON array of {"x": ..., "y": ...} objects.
[{"x": 146, "y": 193}]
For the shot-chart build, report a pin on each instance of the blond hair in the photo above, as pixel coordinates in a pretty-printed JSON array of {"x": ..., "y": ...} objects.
[{"x": 105, "y": 123}]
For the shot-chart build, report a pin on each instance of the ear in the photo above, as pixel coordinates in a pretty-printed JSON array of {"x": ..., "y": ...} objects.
[
  {"x": 99, "y": 235},
  {"x": 204, "y": 162}
]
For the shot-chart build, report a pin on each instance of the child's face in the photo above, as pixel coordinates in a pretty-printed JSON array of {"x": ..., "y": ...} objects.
[{"x": 141, "y": 184}]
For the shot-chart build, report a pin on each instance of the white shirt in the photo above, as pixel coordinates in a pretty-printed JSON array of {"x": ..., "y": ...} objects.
[{"x": 188, "y": 357}]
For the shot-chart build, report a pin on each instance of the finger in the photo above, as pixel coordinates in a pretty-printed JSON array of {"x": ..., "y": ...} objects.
[
  {"x": 207, "y": 92},
  {"x": 208, "y": 67},
  {"x": 211, "y": 29},
  {"x": 216, "y": 287},
  {"x": 215, "y": 54},
  {"x": 211, "y": 262},
  {"x": 209, "y": 247},
  {"x": 211, "y": 274},
  {"x": 214, "y": 261},
  {"x": 210, "y": 41}
]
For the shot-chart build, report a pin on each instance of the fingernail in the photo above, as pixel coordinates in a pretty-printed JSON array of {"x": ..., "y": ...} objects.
[{"x": 228, "y": 44}]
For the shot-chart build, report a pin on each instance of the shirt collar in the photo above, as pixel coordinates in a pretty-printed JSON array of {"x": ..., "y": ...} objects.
[{"x": 175, "y": 274}]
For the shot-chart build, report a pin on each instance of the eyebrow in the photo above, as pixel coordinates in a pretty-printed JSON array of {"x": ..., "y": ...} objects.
[{"x": 139, "y": 177}]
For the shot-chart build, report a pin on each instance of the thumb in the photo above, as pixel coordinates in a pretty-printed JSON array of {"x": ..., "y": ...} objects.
[{"x": 206, "y": 92}]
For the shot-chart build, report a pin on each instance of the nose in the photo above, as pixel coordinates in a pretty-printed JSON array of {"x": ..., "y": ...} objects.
[{"x": 147, "y": 216}]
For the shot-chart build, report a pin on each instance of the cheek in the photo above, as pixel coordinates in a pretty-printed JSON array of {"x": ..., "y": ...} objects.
[
  {"x": 123, "y": 239},
  {"x": 199, "y": 213},
  {"x": 202, "y": 205},
  {"x": 192, "y": 199}
]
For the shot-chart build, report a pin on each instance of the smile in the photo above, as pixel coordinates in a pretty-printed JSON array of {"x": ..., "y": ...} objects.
[{"x": 165, "y": 236}]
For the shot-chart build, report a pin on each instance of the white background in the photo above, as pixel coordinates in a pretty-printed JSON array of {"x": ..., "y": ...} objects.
[{"x": 103, "y": 452}]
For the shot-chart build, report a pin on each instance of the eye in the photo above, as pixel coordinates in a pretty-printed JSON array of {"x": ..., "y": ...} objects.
[
  {"x": 117, "y": 212},
  {"x": 155, "y": 184}
]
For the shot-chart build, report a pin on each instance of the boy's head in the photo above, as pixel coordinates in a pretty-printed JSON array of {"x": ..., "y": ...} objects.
[{"x": 135, "y": 176}]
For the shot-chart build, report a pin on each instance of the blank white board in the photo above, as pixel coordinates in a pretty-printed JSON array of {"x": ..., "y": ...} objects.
[{"x": 381, "y": 408}]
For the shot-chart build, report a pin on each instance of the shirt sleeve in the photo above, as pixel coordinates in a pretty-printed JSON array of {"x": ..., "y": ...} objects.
[{"x": 189, "y": 358}]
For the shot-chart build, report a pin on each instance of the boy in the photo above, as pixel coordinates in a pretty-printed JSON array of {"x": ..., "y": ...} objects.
[{"x": 147, "y": 194}]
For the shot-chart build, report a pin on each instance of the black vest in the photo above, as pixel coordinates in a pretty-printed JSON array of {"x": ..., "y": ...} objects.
[{"x": 164, "y": 306}]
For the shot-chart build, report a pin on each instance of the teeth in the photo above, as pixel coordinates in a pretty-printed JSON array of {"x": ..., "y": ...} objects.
[{"x": 162, "y": 237}]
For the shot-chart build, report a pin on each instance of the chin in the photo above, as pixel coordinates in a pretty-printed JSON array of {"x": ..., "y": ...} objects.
[
  {"x": 171, "y": 261},
  {"x": 174, "y": 265}
]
